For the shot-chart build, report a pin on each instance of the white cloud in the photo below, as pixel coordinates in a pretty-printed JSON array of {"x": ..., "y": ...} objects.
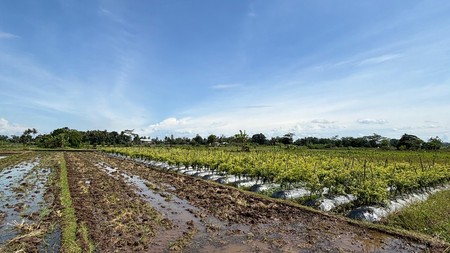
[
  {"x": 430, "y": 126},
  {"x": 372, "y": 121},
  {"x": 7, "y": 128},
  {"x": 251, "y": 13},
  {"x": 4, "y": 35},
  {"x": 314, "y": 128},
  {"x": 112, "y": 16},
  {"x": 379, "y": 59},
  {"x": 229, "y": 123},
  {"x": 256, "y": 106},
  {"x": 226, "y": 86},
  {"x": 169, "y": 124},
  {"x": 95, "y": 102},
  {"x": 322, "y": 121}
]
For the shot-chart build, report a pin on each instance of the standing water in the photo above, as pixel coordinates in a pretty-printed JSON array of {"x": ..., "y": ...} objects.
[{"x": 21, "y": 196}]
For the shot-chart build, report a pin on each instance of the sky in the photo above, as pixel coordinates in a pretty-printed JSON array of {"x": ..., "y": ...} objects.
[{"x": 312, "y": 68}]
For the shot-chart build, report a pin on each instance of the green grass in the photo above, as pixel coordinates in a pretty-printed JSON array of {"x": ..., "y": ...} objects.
[
  {"x": 85, "y": 235},
  {"x": 430, "y": 217},
  {"x": 69, "y": 221}
]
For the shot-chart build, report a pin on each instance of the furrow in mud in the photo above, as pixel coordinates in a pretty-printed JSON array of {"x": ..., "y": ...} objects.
[
  {"x": 117, "y": 219},
  {"x": 249, "y": 223},
  {"x": 180, "y": 213}
]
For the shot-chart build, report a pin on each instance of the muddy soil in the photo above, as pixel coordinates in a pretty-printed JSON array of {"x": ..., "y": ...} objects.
[
  {"x": 24, "y": 210},
  {"x": 224, "y": 219},
  {"x": 117, "y": 219}
]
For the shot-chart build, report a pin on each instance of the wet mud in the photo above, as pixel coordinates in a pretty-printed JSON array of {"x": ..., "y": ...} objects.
[
  {"x": 24, "y": 212},
  {"x": 225, "y": 219},
  {"x": 118, "y": 219},
  {"x": 16, "y": 199},
  {"x": 129, "y": 207}
]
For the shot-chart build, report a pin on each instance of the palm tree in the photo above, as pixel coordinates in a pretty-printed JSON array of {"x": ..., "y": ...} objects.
[
  {"x": 28, "y": 135},
  {"x": 242, "y": 138}
]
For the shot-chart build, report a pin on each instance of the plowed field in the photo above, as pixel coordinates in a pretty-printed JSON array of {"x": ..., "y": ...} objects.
[{"x": 123, "y": 206}]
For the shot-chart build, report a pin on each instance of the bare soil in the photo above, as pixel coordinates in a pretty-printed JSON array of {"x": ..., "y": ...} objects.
[
  {"x": 128, "y": 207},
  {"x": 118, "y": 220}
]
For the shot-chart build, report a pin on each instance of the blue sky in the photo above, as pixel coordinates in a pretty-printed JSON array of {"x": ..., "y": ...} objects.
[{"x": 314, "y": 68}]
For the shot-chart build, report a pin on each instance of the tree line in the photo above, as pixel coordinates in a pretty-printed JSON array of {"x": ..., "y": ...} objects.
[
  {"x": 72, "y": 138},
  {"x": 66, "y": 137}
]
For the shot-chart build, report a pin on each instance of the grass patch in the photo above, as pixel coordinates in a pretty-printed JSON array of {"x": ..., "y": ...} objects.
[
  {"x": 69, "y": 221},
  {"x": 184, "y": 240},
  {"x": 85, "y": 235},
  {"x": 430, "y": 217}
]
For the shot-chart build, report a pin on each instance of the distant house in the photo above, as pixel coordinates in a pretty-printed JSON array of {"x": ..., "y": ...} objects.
[{"x": 146, "y": 141}]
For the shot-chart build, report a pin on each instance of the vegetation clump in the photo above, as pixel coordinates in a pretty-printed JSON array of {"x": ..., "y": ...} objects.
[
  {"x": 430, "y": 217},
  {"x": 69, "y": 220}
]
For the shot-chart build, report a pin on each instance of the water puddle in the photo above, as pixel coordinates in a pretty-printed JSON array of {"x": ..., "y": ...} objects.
[
  {"x": 272, "y": 235},
  {"x": 183, "y": 216},
  {"x": 52, "y": 241},
  {"x": 213, "y": 235},
  {"x": 21, "y": 197}
]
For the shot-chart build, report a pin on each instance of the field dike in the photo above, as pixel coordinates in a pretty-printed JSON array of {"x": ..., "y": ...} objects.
[
  {"x": 230, "y": 220},
  {"x": 68, "y": 218}
]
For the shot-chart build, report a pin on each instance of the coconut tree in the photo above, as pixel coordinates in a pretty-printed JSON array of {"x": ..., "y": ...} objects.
[
  {"x": 242, "y": 138},
  {"x": 27, "y": 137}
]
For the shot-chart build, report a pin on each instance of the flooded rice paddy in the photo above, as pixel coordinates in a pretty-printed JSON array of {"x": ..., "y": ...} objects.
[{"x": 24, "y": 209}]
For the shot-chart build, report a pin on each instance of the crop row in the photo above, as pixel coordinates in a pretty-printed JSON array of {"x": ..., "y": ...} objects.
[{"x": 372, "y": 176}]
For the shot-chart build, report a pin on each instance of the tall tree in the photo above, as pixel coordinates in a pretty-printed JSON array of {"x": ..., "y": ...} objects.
[
  {"x": 259, "y": 138},
  {"x": 198, "y": 140},
  {"x": 409, "y": 142},
  {"x": 211, "y": 139},
  {"x": 287, "y": 138}
]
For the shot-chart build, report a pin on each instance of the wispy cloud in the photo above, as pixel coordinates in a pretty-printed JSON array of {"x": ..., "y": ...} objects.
[
  {"x": 251, "y": 13},
  {"x": 372, "y": 121},
  {"x": 272, "y": 80},
  {"x": 112, "y": 16},
  {"x": 322, "y": 121},
  {"x": 89, "y": 101},
  {"x": 379, "y": 59},
  {"x": 5, "y": 35},
  {"x": 226, "y": 86},
  {"x": 256, "y": 106}
]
